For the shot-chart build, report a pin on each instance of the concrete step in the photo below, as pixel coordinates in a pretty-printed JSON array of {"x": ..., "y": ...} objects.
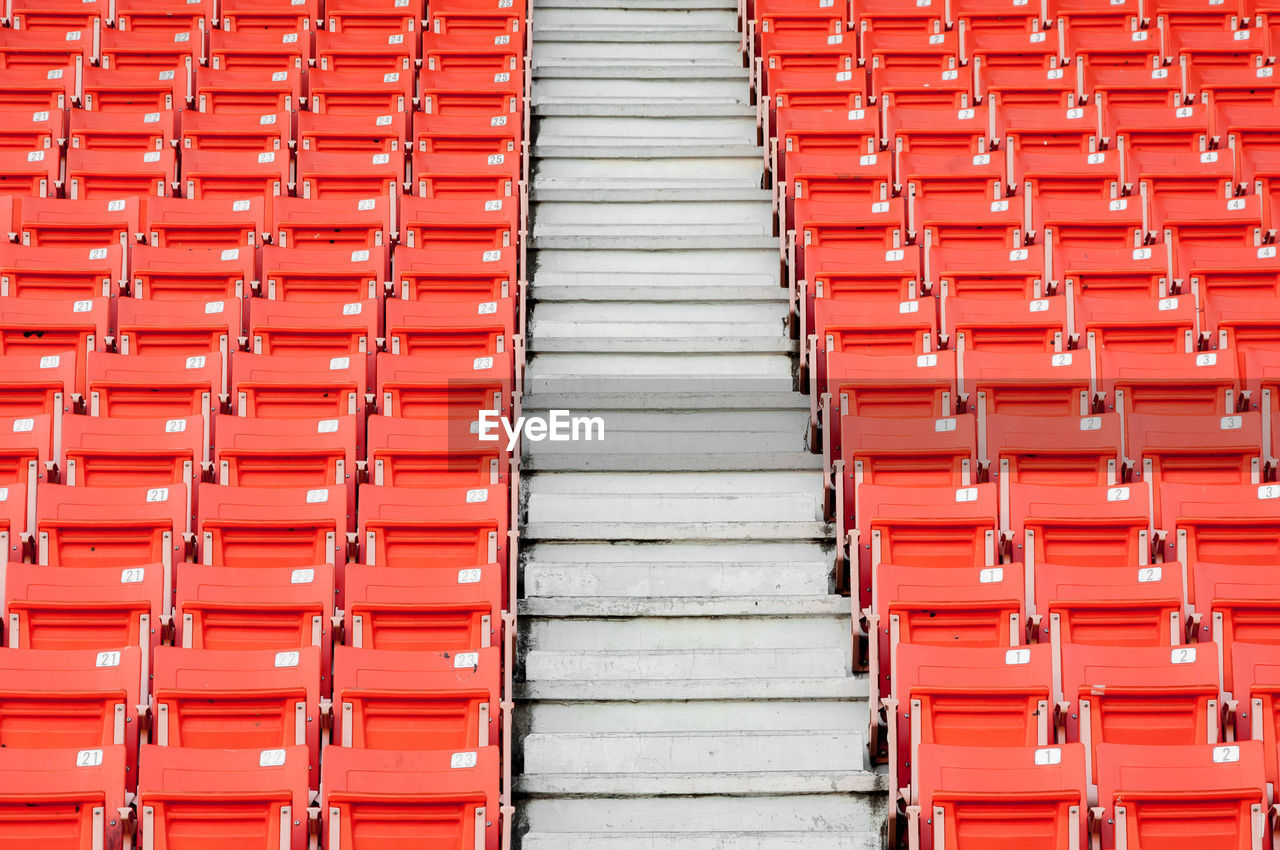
[
  {"x": 558, "y": 718},
  {"x": 694, "y": 604},
  {"x": 620, "y": 166},
  {"x": 664, "y": 288},
  {"x": 684, "y": 394},
  {"x": 638, "y": 4},
  {"x": 549, "y": 49},
  {"x": 631, "y": 259},
  {"x": 614, "y": 108},
  {"x": 638, "y": 69},
  {"x": 695, "y": 752},
  {"x": 546, "y": 152},
  {"x": 819, "y": 630},
  {"x": 685, "y": 664},
  {"x": 602, "y": 35},
  {"x": 705, "y": 554},
  {"x": 719, "y": 782},
  {"x": 841, "y": 687},
  {"x": 599, "y": 192},
  {"x": 603, "y": 17},
  {"x": 590, "y": 459},
  {"x": 661, "y": 509},
  {"x": 678, "y": 484},
  {"x": 650, "y": 91},
  {"x": 689, "y": 130},
  {"x": 650, "y": 218},
  {"x": 568, "y": 582},
  {"x": 726, "y": 840}
]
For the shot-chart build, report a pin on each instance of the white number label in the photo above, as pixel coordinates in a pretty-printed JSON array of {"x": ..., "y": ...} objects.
[{"x": 306, "y": 576}]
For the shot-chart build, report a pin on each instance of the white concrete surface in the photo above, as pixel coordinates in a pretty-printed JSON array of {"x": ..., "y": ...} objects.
[{"x": 685, "y": 680}]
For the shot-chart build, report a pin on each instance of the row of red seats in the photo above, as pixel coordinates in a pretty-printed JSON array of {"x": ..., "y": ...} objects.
[{"x": 1048, "y": 482}]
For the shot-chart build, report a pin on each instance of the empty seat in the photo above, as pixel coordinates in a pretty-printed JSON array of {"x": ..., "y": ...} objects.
[
  {"x": 276, "y": 16},
  {"x": 256, "y": 608},
  {"x": 140, "y": 90},
  {"x": 371, "y": 19},
  {"x": 985, "y": 324},
  {"x": 311, "y": 273},
  {"x": 246, "y": 92},
  {"x": 432, "y": 453},
  {"x": 34, "y": 384},
  {"x": 397, "y": 700},
  {"x": 431, "y": 608},
  {"x": 72, "y": 273},
  {"x": 194, "y": 224},
  {"x": 178, "y": 327},
  {"x": 340, "y": 222},
  {"x": 1159, "y": 326},
  {"x": 206, "y": 131},
  {"x": 1109, "y": 606},
  {"x": 313, "y": 329},
  {"x": 112, "y": 173},
  {"x": 63, "y": 223},
  {"x": 448, "y": 527},
  {"x": 452, "y": 326},
  {"x": 266, "y": 49},
  {"x": 53, "y": 329},
  {"x": 246, "y": 797},
  {"x": 1221, "y": 524},
  {"x": 255, "y": 452},
  {"x": 422, "y": 275},
  {"x": 1099, "y": 526},
  {"x": 447, "y": 385},
  {"x": 272, "y": 527},
  {"x": 987, "y": 798},
  {"x": 237, "y": 699},
  {"x": 34, "y": 172},
  {"x": 1235, "y": 604},
  {"x": 47, "y": 795},
  {"x": 27, "y": 453},
  {"x": 1032, "y": 384},
  {"x": 410, "y": 797},
  {"x": 300, "y": 388},
  {"x": 30, "y": 129},
  {"x": 350, "y": 175},
  {"x": 40, "y": 89},
  {"x": 236, "y": 174},
  {"x": 131, "y": 50},
  {"x": 443, "y": 223},
  {"x": 163, "y": 15},
  {"x": 366, "y": 51},
  {"x": 159, "y": 386},
  {"x": 201, "y": 275},
  {"x": 373, "y": 133},
  {"x": 1052, "y": 450},
  {"x": 15, "y": 519},
  {"x": 361, "y": 92},
  {"x": 1155, "y": 796},
  {"x": 1203, "y": 382},
  {"x": 110, "y": 526},
  {"x": 1193, "y": 449},
  {"x": 1258, "y": 697}
]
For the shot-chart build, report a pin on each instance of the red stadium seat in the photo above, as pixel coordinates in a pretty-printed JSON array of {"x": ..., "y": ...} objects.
[
  {"x": 1203, "y": 382},
  {"x": 1220, "y": 523},
  {"x": 200, "y": 275},
  {"x": 334, "y": 222},
  {"x": 989, "y": 798},
  {"x": 443, "y": 223},
  {"x": 1052, "y": 450},
  {"x": 253, "y": 452},
  {"x": 54, "y": 328},
  {"x": 1258, "y": 699},
  {"x": 135, "y": 50},
  {"x": 445, "y": 386},
  {"x": 432, "y": 453},
  {"x": 27, "y": 454},
  {"x": 431, "y": 609},
  {"x": 16, "y": 518},
  {"x": 300, "y": 388},
  {"x": 323, "y": 274},
  {"x": 230, "y": 796},
  {"x": 178, "y": 327},
  {"x": 141, "y": 90},
  {"x": 372, "y": 133},
  {"x": 111, "y": 174},
  {"x": 313, "y": 328},
  {"x": 189, "y": 223},
  {"x": 361, "y": 92},
  {"x": 424, "y": 275},
  {"x": 34, "y": 384},
  {"x": 1079, "y": 526},
  {"x": 163, "y": 15},
  {"x": 1033, "y": 384},
  {"x": 273, "y": 16},
  {"x": 48, "y": 794},
  {"x": 410, "y": 797},
  {"x": 35, "y": 172},
  {"x": 110, "y": 526},
  {"x": 984, "y": 324},
  {"x": 256, "y": 608},
  {"x": 40, "y": 90},
  {"x": 236, "y": 175},
  {"x": 462, "y": 326},
  {"x": 214, "y": 699},
  {"x": 1194, "y": 449},
  {"x": 168, "y": 386},
  {"x": 350, "y": 175},
  {"x": 1109, "y": 606},
  {"x": 455, "y": 527},
  {"x": 40, "y": 50},
  {"x": 366, "y": 51},
  {"x": 1235, "y": 604},
  {"x": 362, "y": 18},
  {"x": 208, "y": 131},
  {"x": 49, "y": 222},
  {"x": 1154, "y": 797},
  {"x": 79, "y": 272},
  {"x": 28, "y": 130},
  {"x": 251, "y": 92},
  {"x": 399, "y": 700},
  {"x": 269, "y": 49},
  {"x": 272, "y": 527}
]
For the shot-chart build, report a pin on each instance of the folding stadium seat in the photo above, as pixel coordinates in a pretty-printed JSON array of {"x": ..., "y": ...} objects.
[
  {"x": 366, "y": 51},
  {"x": 897, "y": 386},
  {"x": 208, "y": 131},
  {"x": 1154, "y": 797},
  {"x": 890, "y": 279},
  {"x": 925, "y": 526},
  {"x": 26, "y": 130},
  {"x": 954, "y": 222},
  {"x": 156, "y": 386},
  {"x": 211, "y": 699},
  {"x": 178, "y": 327},
  {"x": 1146, "y": 695},
  {"x": 1218, "y": 524},
  {"x": 984, "y": 324},
  {"x": 244, "y": 797},
  {"x": 163, "y": 15},
  {"x": 252, "y": 452},
  {"x": 1108, "y": 606},
  {"x": 909, "y": 327},
  {"x": 820, "y": 143},
  {"x": 63, "y": 223},
  {"x": 822, "y": 228},
  {"x": 829, "y": 68},
  {"x": 72, "y": 698},
  {"x": 1236, "y": 605},
  {"x": 466, "y": 176},
  {"x": 1148, "y": 134},
  {"x": 56, "y": 329},
  {"x": 445, "y": 386},
  {"x": 137, "y": 50},
  {"x": 86, "y": 608},
  {"x": 397, "y": 700},
  {"x": 1240, "y": 92},
  {"x": 272, "y": 527},
  {"x": 442, "y": 223},
  {"x": 948, "y": 87},
  {"x": 252, "y": 92},
  {"x": 51, "y": 15},
  {"x": 988, "y": 798},
  {"x": 429, "y": 608},
  {"x": 974, "y": 178},
  {"x": 1258, "y": 689},
  {"x": 993, "y": 272},
  {"x": 1184, "y": 224},
  {"x": 34, "y": 172},
  {"x": 424, "y": 275},
  {"x": 236, "y": 175},
  {"x": 54, "y": 797},
  {"x": 1126, "y": 76},
  {"x": 311, "y": 273},
  {"x": 1033, "y": 384},
  {"x": 1202, "y": 382},
  {"x": 190, "y": 223},
  {"x": 300, "y": 388},
  {"x": 27, "y": 454},
  {"x": 463, "y": 527},
  {"x": 259, "y": 50},
  {"x": 114, "y": 173},
  {"x": 361, "y": 92},
  {"x": 367, "y": 133},
  {"x": 1112, "y": 272},
  {"x": 40, "y": 90},
  {"x": 257, "y": 608},
  {"x": 361, "y": 18},
  {"x": 1084, "y": 526},
  {"x": 461, "y": 327},
  {"x": 1188, "y": 449},
  {"x": 35, "y": 384},
  {"x": 40, "y": 50},
  {"x": 476, "y": 94},
  {"x": 335, "y": 222},
  {"x": 143, "y": 90},
  {"x": 313, "y": 328},
  {"x": 201, "y": 275},
  {"x": 966, "y": 696},
  {"x": 433, "y": 453},
  {"x": 1055, "y": 172},
  {"x": 401, "y": 798},
  {"x": 465, "y": 134},
  {"x": 349, "y": 175},
  {"x": 275, "y": 16},
  {"x": 15, "y": 520},
  {"x": 110, "y": 526},
  {"x": 102, "y": 452},
  {"x": 1059, "y": 451},
  {"x": 1088, "y": 221},
  {"x": 62, "y": 273},
  {"x": 1158, "y": 326}
]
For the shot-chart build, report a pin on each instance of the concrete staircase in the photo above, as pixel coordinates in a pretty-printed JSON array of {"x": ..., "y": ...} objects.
[{"x": 685, "y": 669}]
